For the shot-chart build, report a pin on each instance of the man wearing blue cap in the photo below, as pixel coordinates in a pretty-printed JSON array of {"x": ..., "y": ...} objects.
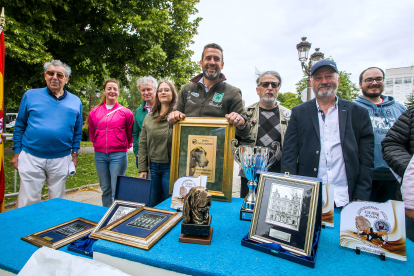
[{"x": 331, "y": 138}]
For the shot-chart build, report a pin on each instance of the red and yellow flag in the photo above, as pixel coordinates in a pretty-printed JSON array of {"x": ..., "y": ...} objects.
[{"x": 2, "y": 181}]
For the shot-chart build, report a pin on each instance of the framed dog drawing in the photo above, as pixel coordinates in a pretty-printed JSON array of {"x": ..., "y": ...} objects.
[{"x": 201, "y": 146}]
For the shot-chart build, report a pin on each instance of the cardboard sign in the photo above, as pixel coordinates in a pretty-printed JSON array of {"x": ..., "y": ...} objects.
[
  {"x": 328, "y": 204},
  {"x": 182, "y": 186},
  {"x": 375, "y": 228}
]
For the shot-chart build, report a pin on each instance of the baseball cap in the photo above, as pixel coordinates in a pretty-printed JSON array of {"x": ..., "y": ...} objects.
[{"x": 324, "y": 63}]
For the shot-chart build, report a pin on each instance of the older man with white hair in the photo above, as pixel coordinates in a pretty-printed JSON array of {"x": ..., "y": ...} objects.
[
  {"x": 331, "y": 138},
  {"x": 47, "y": 136},
  {"x": 148, "y": 87}
]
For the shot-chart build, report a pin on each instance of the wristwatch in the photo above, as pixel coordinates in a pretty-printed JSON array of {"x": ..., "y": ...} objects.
[
  {"x": 77, "y": 153},
  {"x": 244, "y": 118}
]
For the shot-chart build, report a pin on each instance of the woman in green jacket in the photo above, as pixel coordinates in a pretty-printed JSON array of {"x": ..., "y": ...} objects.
[{"x": 155, "y": 143}]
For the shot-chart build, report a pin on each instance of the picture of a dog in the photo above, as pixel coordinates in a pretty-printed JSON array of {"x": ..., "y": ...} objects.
[
  {"x": 198, "y": 158},
  {"x": 196, "y": 206}
]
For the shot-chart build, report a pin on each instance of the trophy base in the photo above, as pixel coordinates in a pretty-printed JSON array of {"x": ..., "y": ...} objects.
[
  {"x": 205, "y": 240},
  {"x": 246, "y": 214},
  {"x": 196, "y": 229}
]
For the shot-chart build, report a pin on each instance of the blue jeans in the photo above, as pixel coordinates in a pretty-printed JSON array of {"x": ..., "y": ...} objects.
[
  {"x": 108, "y": 167},
  {"x": 160, "y": 174}
]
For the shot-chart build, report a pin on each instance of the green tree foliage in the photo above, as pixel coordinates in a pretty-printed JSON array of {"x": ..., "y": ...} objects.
[
  {"x": 131, "y": 94},
  {"x": 410, "y": 101},
  {"x": 289, "y": 99},
  {"x": 347, "y": 90},
  {"x": 127, "y": 37}
]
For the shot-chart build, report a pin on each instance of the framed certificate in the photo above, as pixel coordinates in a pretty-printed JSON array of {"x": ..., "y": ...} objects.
[
  {"x": 117, "y": 210},
  {"x": 285, "y": 212},
  {"x": 201, "y": 146},
  {"x": 62, "y": 234},
  {"x": 141, "y": 228}
]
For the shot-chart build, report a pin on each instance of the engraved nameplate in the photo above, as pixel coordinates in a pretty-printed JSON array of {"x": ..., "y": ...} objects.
[{"x": 279, "y": 235}]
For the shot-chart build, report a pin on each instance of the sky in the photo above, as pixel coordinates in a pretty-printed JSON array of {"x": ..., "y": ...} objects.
[{"x": 263, "y": 34}]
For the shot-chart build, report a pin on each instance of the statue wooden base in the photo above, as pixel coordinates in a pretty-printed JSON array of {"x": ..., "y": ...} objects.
[{"x": 206, "y": 240}]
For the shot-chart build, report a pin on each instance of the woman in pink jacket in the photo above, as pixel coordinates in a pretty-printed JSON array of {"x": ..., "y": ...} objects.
[{"x": 110, "y": 130}]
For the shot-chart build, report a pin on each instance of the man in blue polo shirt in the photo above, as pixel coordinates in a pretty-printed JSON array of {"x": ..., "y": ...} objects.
[{"x": 47, "y": 136}]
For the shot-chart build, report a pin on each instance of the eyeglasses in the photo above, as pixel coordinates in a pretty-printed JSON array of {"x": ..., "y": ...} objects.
[
  {"x": 371, "y": 80},
  {"x": 266, "y": 84},
  {"x": 166, "y": 90},
  {"x": 58, "y": 75}
]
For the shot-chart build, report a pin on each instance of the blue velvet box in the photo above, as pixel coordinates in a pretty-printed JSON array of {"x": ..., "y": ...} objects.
[
  {"x": 278, "y": 251},
  {"x": 133, "y": 189},
  {"x": 82, "y": 246}
]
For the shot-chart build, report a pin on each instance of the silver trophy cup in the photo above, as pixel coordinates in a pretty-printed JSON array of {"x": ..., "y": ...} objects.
[{"x": 253, "y": 159}]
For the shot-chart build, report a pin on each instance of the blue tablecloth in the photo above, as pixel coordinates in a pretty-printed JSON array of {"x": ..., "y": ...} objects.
[
  {"x": 18, "y": 223},
  {"x": 226, "y": 256}
]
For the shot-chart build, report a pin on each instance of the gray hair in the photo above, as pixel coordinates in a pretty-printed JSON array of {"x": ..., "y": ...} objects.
[
  {"x": 57, "y": 62},
  {"x": 147, "y": 80},
  {"x": 274, "y": 73}
]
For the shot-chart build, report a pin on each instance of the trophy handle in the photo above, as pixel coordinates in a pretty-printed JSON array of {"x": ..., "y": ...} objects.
[
  {"x": 235, "y": 151},
  {"x": 273, "y": 158}
]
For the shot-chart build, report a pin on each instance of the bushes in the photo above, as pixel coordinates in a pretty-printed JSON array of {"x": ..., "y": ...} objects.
[{"x": 85, "y": 133}]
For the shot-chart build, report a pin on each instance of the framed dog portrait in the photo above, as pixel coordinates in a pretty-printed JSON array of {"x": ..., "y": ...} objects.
[
  {"x": 286, "y": 212},
  {"x": 60, "y": 235},
  {"x": 141, "y": 228},
  {"x": 201, "y": 146},
  {"x": 117, "y": 210}
]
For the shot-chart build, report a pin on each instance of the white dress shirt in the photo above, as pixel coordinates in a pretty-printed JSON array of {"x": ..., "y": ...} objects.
[
  {"x": 205, "y": 86},
  {"x": 331, "y": 160},
  {"x": 149, "y": 108}
]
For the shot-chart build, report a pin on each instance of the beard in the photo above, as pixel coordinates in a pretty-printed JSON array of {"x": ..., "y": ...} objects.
[
  {"x": 330, "y": 92},
  {"x": 211, "y": 76},
  {"x": 372, "y": 95},
  {"x": 268, "y": 102}
]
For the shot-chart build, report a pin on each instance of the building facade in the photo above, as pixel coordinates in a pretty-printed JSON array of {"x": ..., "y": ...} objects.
[{"x": 399, "y": 83}]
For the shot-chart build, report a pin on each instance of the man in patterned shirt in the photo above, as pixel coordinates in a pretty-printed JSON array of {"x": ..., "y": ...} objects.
[{"x": 269, "y": 120}]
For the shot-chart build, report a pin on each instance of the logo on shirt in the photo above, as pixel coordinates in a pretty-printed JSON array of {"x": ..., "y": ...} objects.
[
  {"x": 195, "y": 94},
  {"x": 287, "y": 113},
  {"x": 218, "y": 98},
  {"x": 215, "y": 105}
]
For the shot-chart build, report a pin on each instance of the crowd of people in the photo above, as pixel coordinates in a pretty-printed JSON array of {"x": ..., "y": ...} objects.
[{"x": 364, "y": 147}]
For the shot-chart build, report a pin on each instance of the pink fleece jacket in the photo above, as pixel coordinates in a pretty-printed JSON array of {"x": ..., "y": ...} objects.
[{"x": 114, "y": 132}]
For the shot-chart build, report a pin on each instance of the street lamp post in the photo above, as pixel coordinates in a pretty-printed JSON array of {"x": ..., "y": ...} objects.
[
  {"x": 303, "y": 50},
  {"x": 97, "y": 92}
]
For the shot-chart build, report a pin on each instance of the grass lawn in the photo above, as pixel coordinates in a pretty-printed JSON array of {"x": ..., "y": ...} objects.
[{"x": 85, "y": 173}]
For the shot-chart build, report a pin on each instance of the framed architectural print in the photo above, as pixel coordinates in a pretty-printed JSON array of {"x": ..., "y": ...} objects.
[
  {"x": 117, "y": 210},
  {"x": 285, "y": 212},
  {"x": 201, "y": 146},
  {"x": 141, "y": 228},
  {"x": 62, "y": 234}
]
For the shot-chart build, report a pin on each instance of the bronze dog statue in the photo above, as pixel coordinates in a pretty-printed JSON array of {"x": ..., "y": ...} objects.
[
  {"x": 198, "y": 158},
  {"x": 196, "y": 206}
]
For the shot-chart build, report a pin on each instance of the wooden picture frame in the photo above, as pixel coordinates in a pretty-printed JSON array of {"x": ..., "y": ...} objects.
[
  {"x": 60, "y": 235},
  {"x": 141, "y": 228},
  {"x": 117, "y": 210},
  {"x": 208, "y": 133},
  {"x": 285, "y": 212}
]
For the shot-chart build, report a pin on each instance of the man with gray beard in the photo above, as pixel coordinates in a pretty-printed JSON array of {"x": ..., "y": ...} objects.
[
  {"x": 268, "y": 119},
  {"x": 331, "y": 139}
]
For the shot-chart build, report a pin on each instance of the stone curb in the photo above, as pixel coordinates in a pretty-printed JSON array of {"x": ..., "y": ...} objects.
[{"x": 11, "y": 204}]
